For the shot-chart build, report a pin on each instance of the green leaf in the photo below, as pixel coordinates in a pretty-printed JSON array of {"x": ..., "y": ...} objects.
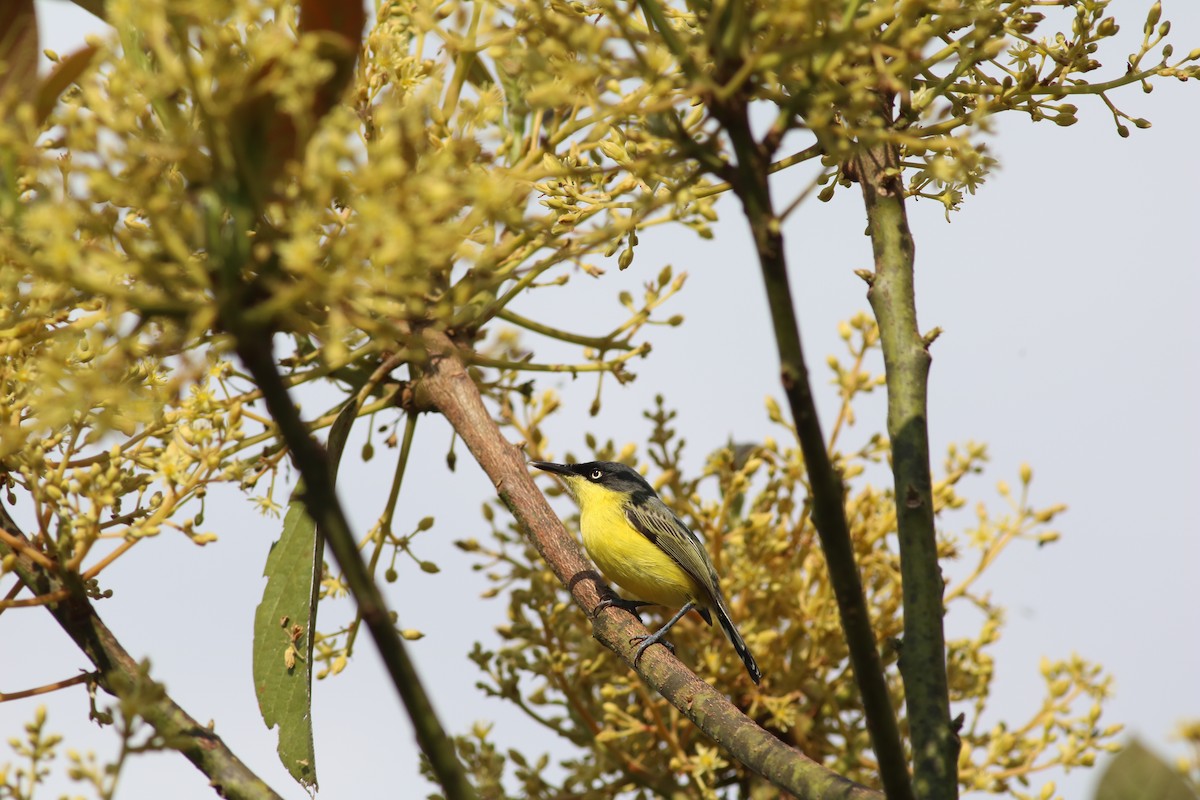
[
  {"x": 283, "y": 642},
  {"x": 339, "y": 432},
  {"x": 285, "y": 619},
  {"x": 477, "y": 74},
  {"x": 516, "y": 109},
  {"x": 1138, "y": 774}
]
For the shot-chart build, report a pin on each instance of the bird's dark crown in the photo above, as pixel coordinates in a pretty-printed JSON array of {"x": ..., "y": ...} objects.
[{"x": 609, "y": 474}]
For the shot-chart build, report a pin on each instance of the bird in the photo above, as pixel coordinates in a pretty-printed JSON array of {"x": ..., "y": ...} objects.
[{"x": 639, "y": 544}]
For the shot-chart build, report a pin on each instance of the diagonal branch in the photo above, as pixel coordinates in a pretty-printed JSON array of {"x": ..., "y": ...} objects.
[
  {"x": 450, "y": 389},
  {"x": 121, "y": 676},
  {"x": 828, "y": 492},
  {"x": 906, "y": 360}
]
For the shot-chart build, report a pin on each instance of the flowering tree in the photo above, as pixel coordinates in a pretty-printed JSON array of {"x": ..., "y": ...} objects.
[{"x": 222, "y": 203}]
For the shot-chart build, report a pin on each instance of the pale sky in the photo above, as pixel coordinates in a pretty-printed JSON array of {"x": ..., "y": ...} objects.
[{"x": 1065, "y": 289}]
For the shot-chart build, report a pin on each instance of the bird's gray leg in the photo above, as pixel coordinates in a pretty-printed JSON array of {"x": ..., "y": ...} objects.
[{"x": 656, "y": 637}]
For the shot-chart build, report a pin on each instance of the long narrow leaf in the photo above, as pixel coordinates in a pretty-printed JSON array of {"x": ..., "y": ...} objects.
[{"x": 285, "y": 620}]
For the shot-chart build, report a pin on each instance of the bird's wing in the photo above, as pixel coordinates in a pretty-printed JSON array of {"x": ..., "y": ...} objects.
[{"x": 655, "y": 521}]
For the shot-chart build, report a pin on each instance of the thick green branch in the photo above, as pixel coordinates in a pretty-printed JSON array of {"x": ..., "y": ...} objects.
[
  {"x": 827, "y": 490},
  {"x": 450, "y": 389},
  {"x": 321, "y": 502},
  {"x": 121, "y": 676},
  {"x": 906, "y": 360}
]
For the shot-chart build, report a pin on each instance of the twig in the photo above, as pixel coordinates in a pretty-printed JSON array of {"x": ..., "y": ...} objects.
[
  {"x": 40, "y": 600},
  {"x": 601, "y": 343},
  {"x": 13, "y": 591},
  {"x": 117, "y": 552},
  {"x": 24, "y": 547},
  {"x": 84, "y": 677},
  {"x": 384, "y": 526}
]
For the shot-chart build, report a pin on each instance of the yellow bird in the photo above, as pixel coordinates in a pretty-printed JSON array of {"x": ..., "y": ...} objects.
[{"x": 640, "y": 545}]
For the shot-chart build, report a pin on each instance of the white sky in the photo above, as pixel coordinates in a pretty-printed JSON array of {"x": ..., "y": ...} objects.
[{"x": 1065, "y": 290}]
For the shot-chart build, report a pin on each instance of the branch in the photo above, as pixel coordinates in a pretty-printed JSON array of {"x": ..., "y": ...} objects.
[
  {"x": 450, "y": 389},
  {"x": 906, "y": 361},
  {"x": 827, "y": 490},
  {"x": 74, "y": 680},
  {"x": 808, "y": 153},
  {"x": 321, "y": 502},
  {"x": 600, "y": 343},
  {"x": 121, "y": 676},
  {"x": 21, "y": 545}
]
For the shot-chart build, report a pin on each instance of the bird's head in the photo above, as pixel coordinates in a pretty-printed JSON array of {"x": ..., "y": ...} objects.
[{"x": 596, "y": 479}]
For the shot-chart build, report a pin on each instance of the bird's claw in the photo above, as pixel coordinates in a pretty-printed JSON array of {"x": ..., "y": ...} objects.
[
  {"x": 646, "y": 641},
  {"x": 631, "y": 606}
]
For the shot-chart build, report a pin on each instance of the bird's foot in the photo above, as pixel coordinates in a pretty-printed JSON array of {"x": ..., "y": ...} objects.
[
  {"x": 631, "y": 606},
  {"x": 646, "y": 641}
]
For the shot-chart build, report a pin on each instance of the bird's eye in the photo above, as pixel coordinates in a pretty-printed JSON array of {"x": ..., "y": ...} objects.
[{"x": 597, "y": 474}]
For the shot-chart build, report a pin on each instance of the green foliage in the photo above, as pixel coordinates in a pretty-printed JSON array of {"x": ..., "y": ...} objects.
[
  {"x": 283, "y": 625},
  {"x": 1138, "y": 773},
  {"x": 1189, "y": 766},
  {"x": 285, "y": 621},
  {"x": 537, "y": 145},
  {"x": 749, "y": 504},
  {"x": 116, "y": 230}
]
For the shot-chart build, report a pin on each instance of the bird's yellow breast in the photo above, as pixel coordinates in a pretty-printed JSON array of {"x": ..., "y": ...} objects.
[{"x": 625, "y": 556}]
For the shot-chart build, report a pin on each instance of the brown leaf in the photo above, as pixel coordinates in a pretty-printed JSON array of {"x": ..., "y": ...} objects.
[
  {"x": 66, "y": 73},
  {"x": 18, "y": 49},
  {"x": 334, "y": 16},
  {"x": 267, "y": 137},
  {"x": 345, "y": 21}
]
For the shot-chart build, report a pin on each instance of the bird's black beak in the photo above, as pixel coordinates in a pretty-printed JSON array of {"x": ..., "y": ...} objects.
[{"x": 549, "y": 466}]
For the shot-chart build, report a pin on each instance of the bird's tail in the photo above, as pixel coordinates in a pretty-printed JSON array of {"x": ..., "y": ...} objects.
[{"x": 739, "y": 644}]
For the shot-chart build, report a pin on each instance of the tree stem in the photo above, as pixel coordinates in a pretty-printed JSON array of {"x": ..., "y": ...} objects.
[
  {"x": 828, "y": 492},
  {"x": 906, "y": 360}
]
